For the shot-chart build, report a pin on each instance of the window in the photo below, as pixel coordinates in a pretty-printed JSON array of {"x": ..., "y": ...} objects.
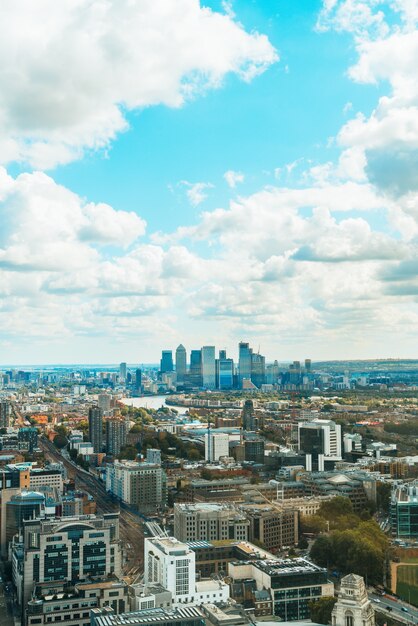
[{"x": 349, "y": 620}]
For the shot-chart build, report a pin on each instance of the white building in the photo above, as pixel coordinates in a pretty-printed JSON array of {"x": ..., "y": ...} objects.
[
  {"x": 171, "y": 564},
  {"x": 320, "y": 437},
  {"x": 216, "y": 446},
  {"x": 353, "y": 607}
]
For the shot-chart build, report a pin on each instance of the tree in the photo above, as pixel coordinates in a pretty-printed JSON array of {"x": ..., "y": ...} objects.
[
  {"x": 322, "y": 551},
  {"x": 383, "y": 491},
  {"x": 312, "y": 524},
  {"x": 321, "y": 609},
  {"x": 330, "y": 509},
  {"x": 60, "y": 441}
]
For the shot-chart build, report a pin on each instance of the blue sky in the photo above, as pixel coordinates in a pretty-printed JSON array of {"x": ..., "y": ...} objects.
[{"x": 204, "y": 174}]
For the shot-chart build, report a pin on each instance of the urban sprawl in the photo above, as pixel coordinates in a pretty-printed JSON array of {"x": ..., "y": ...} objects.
[{"x": 209, "y": 491}]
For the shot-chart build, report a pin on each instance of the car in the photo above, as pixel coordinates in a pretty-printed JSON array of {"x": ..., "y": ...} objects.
[
  {"x": 389, "y": 608},
  {"x": 377, "y": 600},
  {"x": 404, "y": 609}
]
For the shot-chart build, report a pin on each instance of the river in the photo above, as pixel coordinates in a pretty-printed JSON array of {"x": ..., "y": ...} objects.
[{"x": 151, "y": 402}]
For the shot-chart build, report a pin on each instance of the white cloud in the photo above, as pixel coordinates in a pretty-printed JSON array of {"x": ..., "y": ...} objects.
[
  {"x": 233, "y": 178},
  {"x": 196, "y": 192},
  {"x": 69, "y": 70}
]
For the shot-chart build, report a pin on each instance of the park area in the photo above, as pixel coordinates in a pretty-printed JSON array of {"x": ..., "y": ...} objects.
[{"x": 405, "y": 578}]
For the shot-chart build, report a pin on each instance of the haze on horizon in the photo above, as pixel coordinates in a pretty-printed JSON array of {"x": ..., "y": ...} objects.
[{"x": 205, "y": 173}]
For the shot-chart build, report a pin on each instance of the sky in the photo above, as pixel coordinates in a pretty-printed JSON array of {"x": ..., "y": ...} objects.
[{"x": 205, "y": 173}]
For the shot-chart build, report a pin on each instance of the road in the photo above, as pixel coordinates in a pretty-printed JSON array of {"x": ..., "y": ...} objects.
[
  {"x": 381, "y": 604},
  {"x": 131, "y": 530}
]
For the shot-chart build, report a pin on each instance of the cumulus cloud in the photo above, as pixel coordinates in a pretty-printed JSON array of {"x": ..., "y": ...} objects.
[
  {"x": 196, "y": 192},
  {"x": 233, "y": 178},
  {"x": 69, "y": 70}
]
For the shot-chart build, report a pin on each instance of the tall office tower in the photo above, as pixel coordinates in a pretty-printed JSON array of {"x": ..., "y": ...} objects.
[
  {"x": 115, "y": 435},
  {"x": 171, "y": 564},
  {"x": 208, "y": 367},
  {"x": 22, "y": 505},
  {"x": 308, "y": 366},
  {"x": 5, "y": 414},
  {"x": 123, "y": 370},
  {"x": 272, "y": 373},
  {"x": 216, "y": 446},
  {"x": 258, "y": 369},
  {"x": 244, "y": 362},
  {"x": 29, "y": 435},
  {"x": 195, "y": 375},
  {"x": 224, "y": 371},
  {"x": 166, "y": 362},
  {"x": 320, "y": 437},
  {"x": 103, "y": 402},
  {"x": 181, "y": 363},
  {"x": 249, "y": 420},
  {"x": 254, "y": 450},
  {"x": 96, "y": 428},
  {"x": 138, "y": 381},
  {"x": 76, "y": 549},
  {"x": 404, "y": 511},
  {"x": 295, "y": 373}
]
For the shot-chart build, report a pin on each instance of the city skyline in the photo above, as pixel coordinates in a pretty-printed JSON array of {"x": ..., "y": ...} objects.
[{"x": 224, "y": 169}]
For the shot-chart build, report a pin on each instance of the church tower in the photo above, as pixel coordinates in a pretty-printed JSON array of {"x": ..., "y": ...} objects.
[{"x": 353, "y": 607}]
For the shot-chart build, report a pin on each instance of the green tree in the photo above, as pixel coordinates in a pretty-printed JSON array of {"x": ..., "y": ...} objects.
[
  {"x": 60, "y": 441},
  {"x": 321, "y": 609}
]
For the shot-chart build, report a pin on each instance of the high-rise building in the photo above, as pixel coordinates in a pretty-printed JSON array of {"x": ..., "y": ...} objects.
[
  {"x": 138, "y": 380},
  {"x": 209, "y": 522},
  {"x": 195, "y": 375},
  {"x": 29, "y": 435},
  {"x": 171, "y": 564},
  {"x": 96, "y": 428},
  {"x": 166, "y": 363},
  {"x": 224, "y": 371},
  {"x": 254, "y": 451},
  {"x": 141, "y": 485},
  {"x": 271, "y": 527},
  {"x": 404, "y": 511},
  {"x": 244, "y": 362},
  {"x": 320, "y": 437},
  {"x": 308, "y": 366},
  {"x": 216, "y": 446},
  {"x": 123, "y": 370},
  {"x": 103, "y": 402},
  {"x": 272, "y": 373},
  {"x": 258, "y": 369},
  {"x": 115, "y": 435},
  {"x": 181, "y": 363},
  {"x": 22, "y": 505},
  {"x": 208, "y": 367},
  {"x": 5, "y": 414},
  {"x": 56, "y": 550},
  {"x": 249, "y": 420}
]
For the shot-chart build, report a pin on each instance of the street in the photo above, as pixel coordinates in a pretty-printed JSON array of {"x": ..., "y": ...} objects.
[{"x": 380, "y": 604}]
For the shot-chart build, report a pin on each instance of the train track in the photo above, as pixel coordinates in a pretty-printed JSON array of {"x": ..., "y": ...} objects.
[{"x": 130, "y": 527}]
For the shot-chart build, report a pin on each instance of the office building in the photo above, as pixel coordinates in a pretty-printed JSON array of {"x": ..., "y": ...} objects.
[
  {"x": 224, "y": 371},
  {"x": 272, "y": 373},
  {"x": 154, "y": 456},
  {"x": 141, "y": 485},
  {"x": 320, "y": 437},
  {"x": 28, "y": 435},
  {"x": 258, "y": 369},
  {"x": 291, "y": 584},
  {"x": 353, "y": 607},
  {"x": 171, "y": 564},
  {"x": 72, "y": 606},
  {"x": 180, "y": 616},
  {"x": 404, "y": 511},
  {"x": 67, "y": 550},
  {"x": 138, "y": 381},
  {"x": 123, "y": 371},
  {"x": 200, "y": 521},
  {"x": 208, "y": 367},
  {"x": 5, "y": 414},
  {"x": 49, "y": 476},
  {"x": 272, "y": 527},
  {"x": 96, "y": 428},
  {"x": 195, "y": 373},
  {"x": 181, "y": 363},
  {"x": 116, "y": 432},
  {"x": 216, "y": 446},
  {"x": 254, "y": 451},
  {"x": 244, "y": 362},
  {"x": 166, "y": 363},
  {"x": 358, "y": 486}
]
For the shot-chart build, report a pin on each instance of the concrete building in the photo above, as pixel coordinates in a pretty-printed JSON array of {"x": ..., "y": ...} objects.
[
  {"x": 271, "y": 527},
  {"x": 216, "y": 446},
  {"x": 5, "y": 414},
  {"x": 179, "y": 616},
  {"x": 171, "y": 564},
  {"x": 116, "y": 432},
  {"x": 353, "y": 607},
  {"x": 141, "y": 485},
  {"x": 200, "y": 521},
  {"x": 181, "y": 364},
  {"x": 123, "y": 371},
  {"x": 65, "y": 550},
  {"x": 103, "y": 402},
  {"x": 96, "y": 428},
  {"x": 320, "y": 437}
]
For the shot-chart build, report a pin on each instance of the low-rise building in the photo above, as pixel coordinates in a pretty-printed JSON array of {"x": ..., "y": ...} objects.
[{"x": 209, "y": 521}]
